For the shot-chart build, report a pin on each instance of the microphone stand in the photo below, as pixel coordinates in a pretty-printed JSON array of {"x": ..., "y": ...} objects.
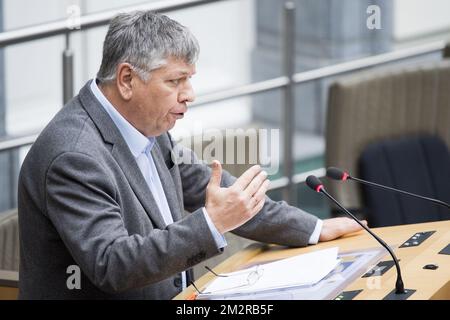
[{"x": 399, "y": 286}]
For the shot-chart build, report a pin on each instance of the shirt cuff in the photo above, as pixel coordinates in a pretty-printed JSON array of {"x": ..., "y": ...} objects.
[
  {"x": 220, "y": 240},
  {"x": 183, "y": 280},
  {"x": 314, "y": 239}
]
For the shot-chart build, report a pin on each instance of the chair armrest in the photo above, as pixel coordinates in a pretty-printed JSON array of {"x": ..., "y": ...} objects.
[{"x": 9, "y": 284}]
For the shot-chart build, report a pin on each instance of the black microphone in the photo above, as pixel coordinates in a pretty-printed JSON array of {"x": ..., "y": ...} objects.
[
  {"x": 338, "y": 174},
  {"x": 314, "y": 183}
]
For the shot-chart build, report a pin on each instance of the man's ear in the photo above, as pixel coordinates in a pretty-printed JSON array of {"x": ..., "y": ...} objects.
[{"x": 124, "y": 78}]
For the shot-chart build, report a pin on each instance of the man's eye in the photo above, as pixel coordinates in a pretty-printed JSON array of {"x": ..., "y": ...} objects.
[{"x": 175, "y": 81}]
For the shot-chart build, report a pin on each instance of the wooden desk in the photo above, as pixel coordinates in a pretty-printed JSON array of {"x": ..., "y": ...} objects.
[
  {"x": 9, "y": 282},
  {"x": 430, "y": 284}
]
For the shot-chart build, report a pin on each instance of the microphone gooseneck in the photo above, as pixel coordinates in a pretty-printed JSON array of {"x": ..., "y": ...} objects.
[
  {"x": 315, "y": 184},
  {"x": 338, "y": 174}
]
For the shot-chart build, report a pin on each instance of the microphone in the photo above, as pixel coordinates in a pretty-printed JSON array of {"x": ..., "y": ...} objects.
[
  {"x": 338, "y": 174},
  {"x": 314, "y": 183}
]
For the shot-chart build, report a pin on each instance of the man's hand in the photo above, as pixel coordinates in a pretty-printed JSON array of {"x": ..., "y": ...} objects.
[
  {"x": 337, "y": 227},
  {"x": 231, "y": 207}
]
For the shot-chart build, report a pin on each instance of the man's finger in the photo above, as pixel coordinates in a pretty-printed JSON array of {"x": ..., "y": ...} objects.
[
  {"x": 258, "y": 206},
  {"x": 353, "y": 226},
  {"x": 243, "y": 181},
  {"x": 261, "y": 193},
  {"x": 216, "y": 175},
  {"x": 256, "y": 183}
]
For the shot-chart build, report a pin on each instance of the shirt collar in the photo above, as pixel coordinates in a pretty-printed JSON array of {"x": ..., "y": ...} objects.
[{"x": 136, "y": 141}]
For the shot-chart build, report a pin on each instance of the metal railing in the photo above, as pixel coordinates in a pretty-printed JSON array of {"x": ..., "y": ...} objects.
[
  {"x": 63, "y": 27},
  {"x": 286, "y": 82}
]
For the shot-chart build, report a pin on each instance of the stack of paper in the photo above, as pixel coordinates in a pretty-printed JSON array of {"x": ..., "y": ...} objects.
[{"x": 301, "y": 270}]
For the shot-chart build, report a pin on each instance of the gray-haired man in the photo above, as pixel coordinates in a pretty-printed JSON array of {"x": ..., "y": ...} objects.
[{"x": 99, "y": 192}]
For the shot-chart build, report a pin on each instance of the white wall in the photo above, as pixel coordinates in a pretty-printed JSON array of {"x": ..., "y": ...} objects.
[
  {"x": 414, "y": 18},
  {"x": 33, "y": 69}
]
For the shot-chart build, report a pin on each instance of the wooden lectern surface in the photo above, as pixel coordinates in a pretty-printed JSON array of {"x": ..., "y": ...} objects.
[
  {"x": 8, "y": 285},
  {"x": 429, "y": 284}
]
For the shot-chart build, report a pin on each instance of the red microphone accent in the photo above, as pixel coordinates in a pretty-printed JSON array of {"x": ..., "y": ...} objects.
[
  {"x": 319, "y": 187},
  {"x": 345, "y": 176}
]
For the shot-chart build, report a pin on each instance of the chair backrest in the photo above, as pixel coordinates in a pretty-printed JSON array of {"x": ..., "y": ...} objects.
[
  {"x": 418, "y": 164},
  {"x": 9, "y": 241},
  {"x": 383, "y": 104}
]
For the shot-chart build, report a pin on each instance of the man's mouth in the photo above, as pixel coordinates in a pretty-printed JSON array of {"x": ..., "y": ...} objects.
[{"x": 178, "y": 115}]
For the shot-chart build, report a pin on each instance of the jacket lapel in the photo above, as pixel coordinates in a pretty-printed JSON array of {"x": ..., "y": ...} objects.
[
  {"x": 122, "y": 154},
  {"x": 126, "y": 161}
]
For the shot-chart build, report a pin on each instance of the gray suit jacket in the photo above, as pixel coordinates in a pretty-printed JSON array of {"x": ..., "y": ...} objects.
[{"x": 83, "y": 201}]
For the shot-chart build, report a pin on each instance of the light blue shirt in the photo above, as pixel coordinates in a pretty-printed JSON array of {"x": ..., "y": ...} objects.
[{"x": 141, "y": 146}]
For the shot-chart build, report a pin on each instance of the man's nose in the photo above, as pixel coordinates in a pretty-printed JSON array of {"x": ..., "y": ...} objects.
[{"x": 187, "y": 93}]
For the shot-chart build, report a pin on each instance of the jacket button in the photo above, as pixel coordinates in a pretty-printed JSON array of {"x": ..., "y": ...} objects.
[{"x": 177, "y": 282}]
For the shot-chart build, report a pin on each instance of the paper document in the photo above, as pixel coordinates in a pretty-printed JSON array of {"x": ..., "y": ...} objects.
[{"x": 304, "y": 269}]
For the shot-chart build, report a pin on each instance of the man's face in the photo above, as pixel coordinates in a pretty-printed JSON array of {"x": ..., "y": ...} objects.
[{"x": 159, "y": 103}]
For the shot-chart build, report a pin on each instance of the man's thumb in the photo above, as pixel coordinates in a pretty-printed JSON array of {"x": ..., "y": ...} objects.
[{"x": 216, "y": 174}]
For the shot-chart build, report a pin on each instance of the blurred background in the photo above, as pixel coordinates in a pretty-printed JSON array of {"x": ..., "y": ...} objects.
[{"x": 334, "y": 76}]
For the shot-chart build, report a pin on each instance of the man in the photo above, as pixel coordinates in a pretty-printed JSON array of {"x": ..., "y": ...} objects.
[{"x": 100, "y": 194}]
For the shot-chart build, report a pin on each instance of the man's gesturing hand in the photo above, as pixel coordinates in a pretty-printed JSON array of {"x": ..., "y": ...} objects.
[{"x": 231, "y": 207}]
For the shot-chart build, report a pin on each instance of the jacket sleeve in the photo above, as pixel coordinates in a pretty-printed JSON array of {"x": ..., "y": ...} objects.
[
  {"x": 277, "y": 222},
  {"x": 81, "y": 201}
]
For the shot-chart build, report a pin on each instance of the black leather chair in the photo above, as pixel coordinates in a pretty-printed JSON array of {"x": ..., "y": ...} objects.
[
  {"x": 419, "y": 164},
  {"x": 378, "y": 104}
]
